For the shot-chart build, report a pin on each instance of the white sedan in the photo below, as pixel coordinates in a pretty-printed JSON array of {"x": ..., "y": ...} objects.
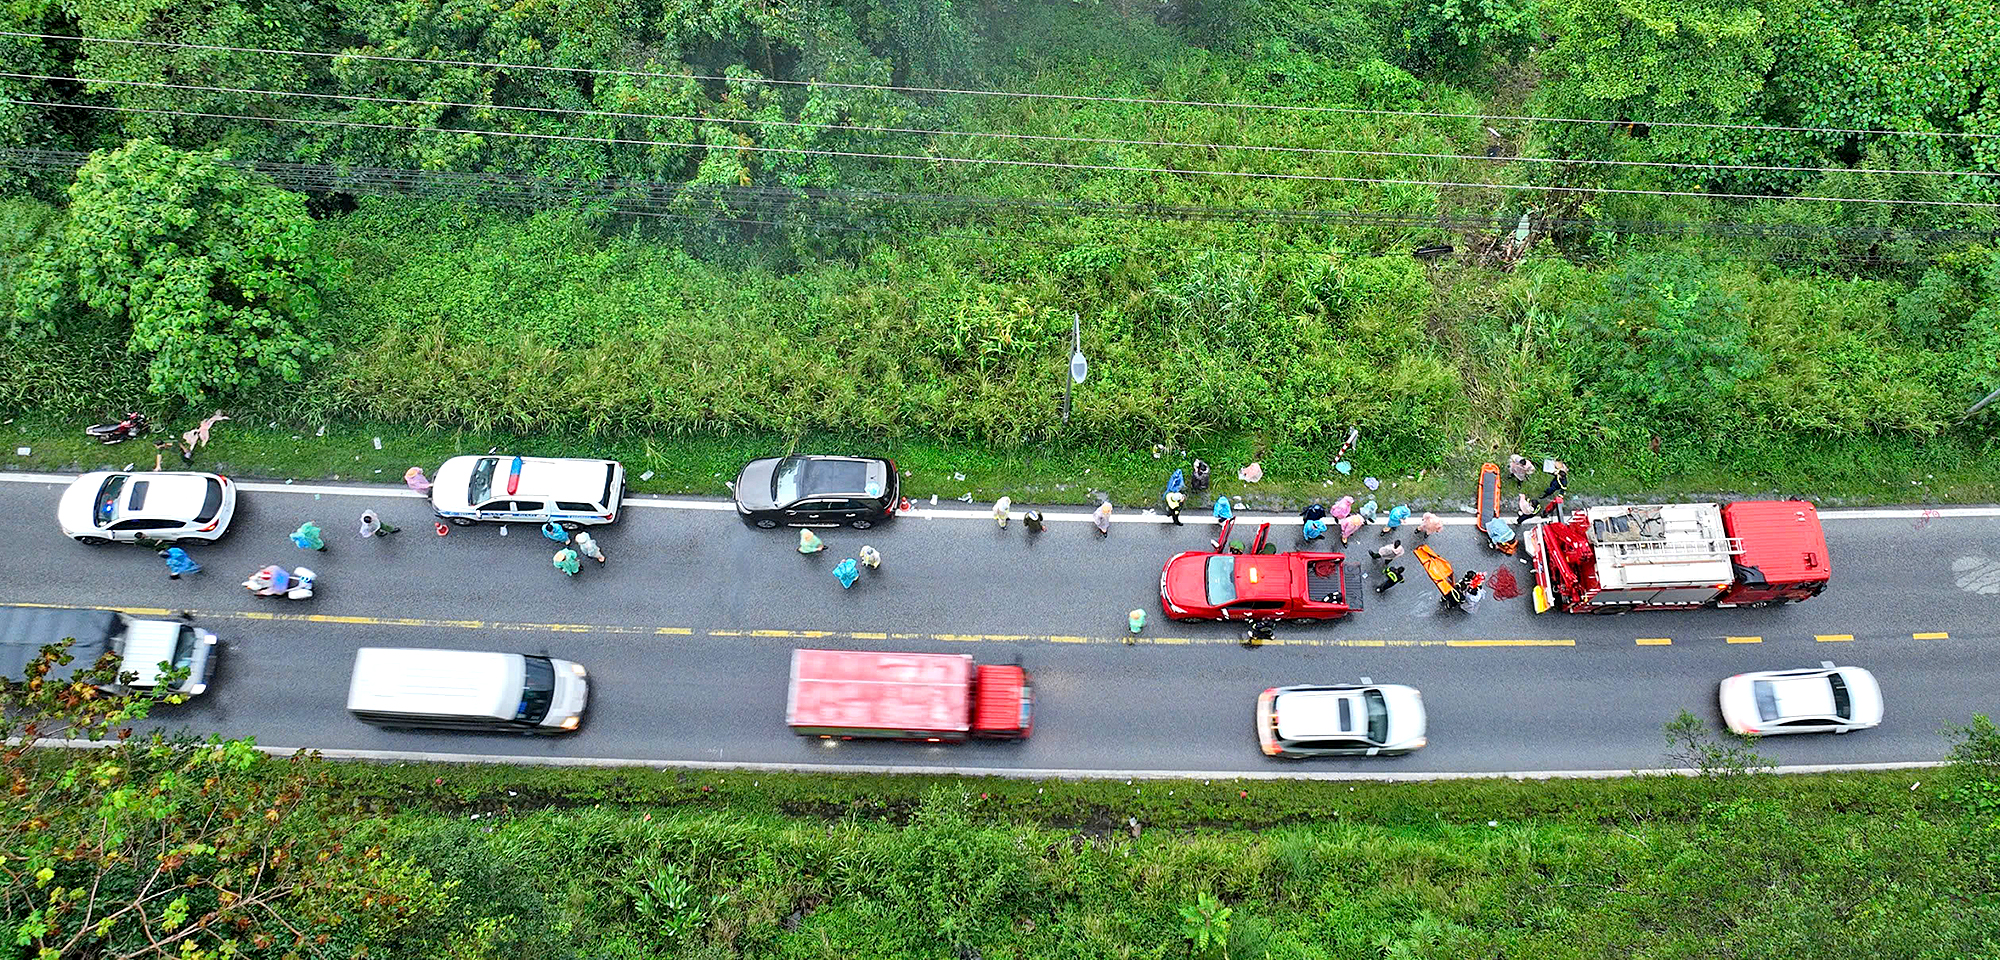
[
  {"x": 1829, "y": 699},
  {"x": 110, "y": 506}
]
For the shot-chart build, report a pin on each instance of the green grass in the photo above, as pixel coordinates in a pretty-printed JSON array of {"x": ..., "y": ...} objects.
[{"x": 1864, "y": 471}]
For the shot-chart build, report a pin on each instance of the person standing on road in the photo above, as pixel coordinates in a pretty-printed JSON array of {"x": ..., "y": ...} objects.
[
  {"x": 809, "y": 541},
  {"x": 1313, "y": 511},
  {"x": 1390, "y": 577},
  {"x": 1394, "y": 522},
  {"x": 1429, "y": 524},
  {"x": 871, "y": 557},
  {"x": 307, "y": 537},
  {"x": 414, "y": 479},
  {"x": 1520, "y": 467},
  {"x": 1313, "y": 529},
  {"x": 587, "y": 545},
  {"x": 178, "y": 562},
  {"x": 565, "y": 560},
  {"x": 554, "y": 531},
  {"x": 372, "y": 525},
  {"x": 1033, "y": 521},
  {"x": 1174, "y": 500},
  {"x": 1222, "y": 510},
  {"x": 1348, "y": 525},
  {"x": 1101, "y": 518},
  {"x": 1341, "y": 508},
  {"x": 1001, "y": 508}
]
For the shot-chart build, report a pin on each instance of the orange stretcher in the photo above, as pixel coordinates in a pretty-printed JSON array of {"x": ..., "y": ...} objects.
[
  {"x": 1489, "y": 511},
  {"x": 1439, "y": 570}
]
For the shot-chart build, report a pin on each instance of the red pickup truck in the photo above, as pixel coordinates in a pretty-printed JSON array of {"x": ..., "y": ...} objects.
[{"x": 1218, "y": 584}]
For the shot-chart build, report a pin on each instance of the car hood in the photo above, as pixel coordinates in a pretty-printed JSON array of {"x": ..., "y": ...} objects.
[
  {"x": 452, "y": 483},
  {"x": 1865, "y": 694},
  {"x": 73, "y": 512},
  {"x": 1186, "y": 578},
  {"x": 1406, "y": 714},
  {"x": 753, "y": 485}
]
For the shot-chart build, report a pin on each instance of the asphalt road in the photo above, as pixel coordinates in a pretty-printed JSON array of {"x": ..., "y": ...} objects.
[{"x": 687, "y": 632}]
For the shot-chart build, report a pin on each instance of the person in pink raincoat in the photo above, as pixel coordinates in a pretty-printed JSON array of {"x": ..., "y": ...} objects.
[
  {"x": 1341, "y": 508},
  {"x": 1349, "y": 524},
  {"x": 1429, "y": 524}
]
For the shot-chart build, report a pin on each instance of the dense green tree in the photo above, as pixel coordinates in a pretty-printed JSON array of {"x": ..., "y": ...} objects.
[
  {"x": 1666, "y": 338},
  {"x": 210, "y": 265},
  {"x": 157, "y": 845}
]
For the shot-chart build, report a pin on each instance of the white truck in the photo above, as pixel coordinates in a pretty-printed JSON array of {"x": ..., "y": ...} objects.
[{"x": 140, "y": 643}]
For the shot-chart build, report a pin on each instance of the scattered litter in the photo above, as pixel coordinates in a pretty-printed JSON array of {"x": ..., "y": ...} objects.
[
  {"x": 378, "y": 471},
  {"x": 731, "y": 484},
  {"x": 129, "y": 466},
  {"x": 492, "y": 449},
  {"x": 957, "y": 476},
  {"x": 503, "y": 529},
  {"x": 933, "y": 499},
  {"x": 1158, "y": 451},
  {"x": 22, "y": 451},
  {"x": 357, "y": 456},
  {"x": 297, "y": 437},
  {"x": 274, "y": 424},
  {"x": 1344, "y": 467},
  {"x": 1492, "y": 823},
  {"x": 288, "y": 481},
  {"x": 316, "y": 496},
  {"x": 1253, "y": 473},
  {"x": 966, "y": 498},
  {"x": 378, "y": 440},
  {"x": 321, "y": 432},
  {"x": 1371, "y": 483},
  {"x": 648, "y": 475}
]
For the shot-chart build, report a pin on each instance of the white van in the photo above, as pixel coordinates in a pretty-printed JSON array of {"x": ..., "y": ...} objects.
[
  {"x": 466, "y": 690},
  {"x": 571, "y": 491}
]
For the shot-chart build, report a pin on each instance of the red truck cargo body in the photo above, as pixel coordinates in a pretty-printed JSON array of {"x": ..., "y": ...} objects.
[
  {"x": 1611, "y": 559},
  {"x": 906, "y": 696}
]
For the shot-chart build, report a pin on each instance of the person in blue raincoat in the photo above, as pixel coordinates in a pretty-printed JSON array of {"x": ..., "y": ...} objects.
[
  {"x": 178, "y": 562},
  {"x": 846, "y": 571},
  {"x": 554, "y": 531},
  {"x": 1222, "y": 510},
  {"x": 1397, "y": 514},
  {"x": 1315, "y": 528}
]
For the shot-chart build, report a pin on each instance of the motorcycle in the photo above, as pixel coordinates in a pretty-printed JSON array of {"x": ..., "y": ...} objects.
[
  {"x": 133, "y": 425},
  {"x": 274, "y": 581}
]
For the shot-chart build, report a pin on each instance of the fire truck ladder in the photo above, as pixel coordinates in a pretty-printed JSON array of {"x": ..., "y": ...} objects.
[{"x": 1671, "y": 551}]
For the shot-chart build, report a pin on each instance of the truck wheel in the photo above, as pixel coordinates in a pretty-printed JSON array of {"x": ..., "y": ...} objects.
[{"x": 92, "y": 541}]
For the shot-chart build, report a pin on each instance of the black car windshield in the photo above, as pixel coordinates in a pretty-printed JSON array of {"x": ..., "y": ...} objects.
[
  {"x": 107, "y": 498},
  {"x": 1378, "y": 715},
  {"x": 538, "y": 691},
  {"x": 1843, "y": 705},
  {"x": 211, "y": 503},
  {"x": 788, "y": 481},
  {"x": 184, "y": 647},
  {"x": 482, "y": 480}
]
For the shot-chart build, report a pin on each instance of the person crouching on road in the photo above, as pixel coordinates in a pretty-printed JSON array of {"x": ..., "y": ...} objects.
[
  {"x": 871, "y": 557},
  {"x": 1258, "y": 631},
  {"x": 565, "y": 560}
]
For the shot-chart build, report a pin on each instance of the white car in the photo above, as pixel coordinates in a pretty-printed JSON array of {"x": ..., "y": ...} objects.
[
  {"x": 1365, "y": 719},
  {"x": 571, "y": 491},
  {"x": 1829, "y": 699},
  {"x": 110, "y": 506}
]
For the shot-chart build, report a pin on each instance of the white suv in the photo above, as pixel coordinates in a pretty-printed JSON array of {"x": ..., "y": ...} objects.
[{"x": 570, "y": 491}]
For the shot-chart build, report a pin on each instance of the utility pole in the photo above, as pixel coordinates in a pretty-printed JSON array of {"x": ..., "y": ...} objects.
[
  {"x": 1079, "y": 367},
  {"x": 1981, "y": 405}
]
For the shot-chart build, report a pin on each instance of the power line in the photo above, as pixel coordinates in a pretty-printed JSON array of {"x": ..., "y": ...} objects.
[
  {"x": 895, "y": 88},
  {"x": 1108, "y": 141},
  {"x": 979, "y": 161},
  {"x": 523, "y": 191}
]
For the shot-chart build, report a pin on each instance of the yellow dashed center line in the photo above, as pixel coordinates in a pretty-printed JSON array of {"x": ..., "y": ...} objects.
[
  {"x": 1930, "y": 636},
  {"x": 1510, "y": 643},
  {"x": 1744, "y": 639},
  {"x": 1654, "y": 641},
  {"x": 1833, "y": 637}
]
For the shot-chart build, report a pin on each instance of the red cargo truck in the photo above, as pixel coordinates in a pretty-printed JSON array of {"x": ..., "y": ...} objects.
[
  {"x": 1752, "y": 553},
  {"x": 934, "y": 697}
]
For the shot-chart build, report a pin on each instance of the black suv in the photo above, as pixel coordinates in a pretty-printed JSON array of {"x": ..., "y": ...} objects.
[{"x": 805, "y": 491}]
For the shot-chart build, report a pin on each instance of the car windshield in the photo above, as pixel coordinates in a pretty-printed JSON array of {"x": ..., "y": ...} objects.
[
  {"x": 210, "y": 504},
  {"x": 1843, "y": 705},
  {"x": 1378, "y": 715},
  {"x": 184, "y": 645},
  {"x": 788, "y": 481},
  {"x": 538, "y": 691},
  {"x": 1221, "y": 579},
  {"x": 482, "y": 480},
  {"x": 107, "y": 498},
  {"x": 1766, "y": 695}
]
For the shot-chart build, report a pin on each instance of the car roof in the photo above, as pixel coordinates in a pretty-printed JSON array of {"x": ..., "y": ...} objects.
[
  {"x": 1802, "y": 695},
  {"x": 559, "y": 477},
  {"x": 1264, "y": 576},
  {"x": 176, "y": 496},
  {"x": 1315, "y": 713},
  {"x": 824, "y": 475}
]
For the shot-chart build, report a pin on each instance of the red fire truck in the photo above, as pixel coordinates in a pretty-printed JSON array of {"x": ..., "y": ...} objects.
[
  {"x": 1678, "y": 556},
  {"x": 935, "y": 697}
]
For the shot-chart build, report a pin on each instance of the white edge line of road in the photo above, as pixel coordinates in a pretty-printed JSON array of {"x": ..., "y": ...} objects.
[
  {"x": 1033, "y": 773},
  {"x": 949, "y": 513}
]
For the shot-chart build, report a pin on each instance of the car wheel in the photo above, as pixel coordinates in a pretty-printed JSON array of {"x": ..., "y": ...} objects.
[
  {"x": 461, "y": 521},
  {"x": 572, "y": 526},
  {"x": 92, "y": 541},
  {"x": 862, "y": 524},
  {"x": 767, "y": 524}
]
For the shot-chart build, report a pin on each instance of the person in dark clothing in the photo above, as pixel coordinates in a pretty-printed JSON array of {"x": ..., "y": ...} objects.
[
  {"x": 1198, "y": 483},
  {"x": 1033, "y": 521},
  {"x": 1259, "y": 631},
  {"x": 1390, "y": 577},
  {"x": 1313, "y": 511},
  {"x": 1558, "y": 481}
]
